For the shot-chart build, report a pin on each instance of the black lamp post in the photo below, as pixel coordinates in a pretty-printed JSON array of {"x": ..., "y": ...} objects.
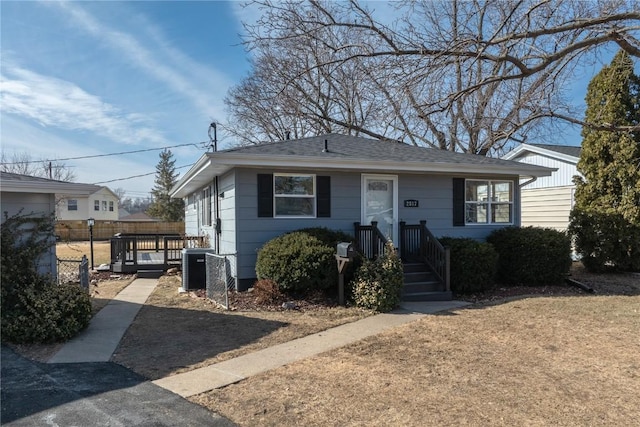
[{"x": 90, "y": 223}]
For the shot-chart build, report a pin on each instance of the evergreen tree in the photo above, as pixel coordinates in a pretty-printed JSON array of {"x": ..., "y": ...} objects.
[
  {"x": 606, "y": 217},
  {"x": 163, "y": 206}
]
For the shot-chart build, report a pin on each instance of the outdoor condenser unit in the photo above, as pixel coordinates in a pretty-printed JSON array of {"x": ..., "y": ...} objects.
[{"x": 194, "y": 271}]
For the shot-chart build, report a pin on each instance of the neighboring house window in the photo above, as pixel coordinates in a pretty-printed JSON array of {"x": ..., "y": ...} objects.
[
  {"x": 104, "y": 205},
  {"x": 110, "y": 206},
  {"x": 294, "y": 195},
  {"x": 96, "y": 205},
  {"x": 206, "y": 206},
  {"x": 72, "y": 205}
]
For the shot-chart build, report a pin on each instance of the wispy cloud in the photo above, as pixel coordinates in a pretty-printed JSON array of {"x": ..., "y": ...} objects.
[
  {"x": 160, "y": 60},
  {"x": 58, "y": 103}
]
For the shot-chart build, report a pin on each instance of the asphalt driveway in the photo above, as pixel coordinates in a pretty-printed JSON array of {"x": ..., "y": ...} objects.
[{"x": 95, "y": 394}]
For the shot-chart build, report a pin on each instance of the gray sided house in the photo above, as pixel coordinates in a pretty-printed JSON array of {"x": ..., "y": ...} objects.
[
  {"x": 30, "y": 195},
  {"x": 243, "y": 197}
]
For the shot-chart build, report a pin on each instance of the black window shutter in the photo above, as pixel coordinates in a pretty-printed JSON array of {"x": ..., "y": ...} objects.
[
  {"x": 458, "y": 202},
  {"x": 323, "y": 204},
  {"x": 265, "y": 195}
]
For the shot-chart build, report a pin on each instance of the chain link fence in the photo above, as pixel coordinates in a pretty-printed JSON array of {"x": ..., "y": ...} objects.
[
  {"x": 73, "y": 271},
  {"x": 219, "y": 278}
]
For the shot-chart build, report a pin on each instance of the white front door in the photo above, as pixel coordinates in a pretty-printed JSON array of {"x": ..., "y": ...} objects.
[{"x": 380, "y": 203}]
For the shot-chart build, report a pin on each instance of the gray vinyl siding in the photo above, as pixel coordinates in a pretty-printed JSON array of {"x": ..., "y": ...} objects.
[
  {"x": 191, "y": 216},
  {"x": 434, "y": 193},
  {"x": 254, "y": 232},
  {"x": 39, "y": 205}
]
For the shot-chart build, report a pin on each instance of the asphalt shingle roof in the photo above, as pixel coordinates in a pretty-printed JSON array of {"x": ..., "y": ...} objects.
[
  {"x": 357, "y": 148},
  {"x": 562, "y": 149}
]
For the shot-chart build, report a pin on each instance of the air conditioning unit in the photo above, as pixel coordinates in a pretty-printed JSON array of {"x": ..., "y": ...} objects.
[{"x": 194, "y": 271}]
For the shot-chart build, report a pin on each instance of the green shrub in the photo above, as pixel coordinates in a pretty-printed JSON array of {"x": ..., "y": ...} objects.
[
  {"x": 473, "y": 264},
  {"x": 329, "y": 237},
  {"x": 378, "y": 283},
  {"x": 297, "y": 262},
  {"x": 34, "y": 308},
  {"x": 47, "y": 314},
  {"x": 531, "y": 256},
  {"x": 605, "y": 241}
]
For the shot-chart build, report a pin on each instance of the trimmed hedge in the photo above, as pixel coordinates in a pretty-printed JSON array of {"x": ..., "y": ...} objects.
[
  {"x": 378, "y": 283},
  {"x": 531, "y": 256},
  {"x": 297, "y": 262},
  {"x": 473, "y": 264}
]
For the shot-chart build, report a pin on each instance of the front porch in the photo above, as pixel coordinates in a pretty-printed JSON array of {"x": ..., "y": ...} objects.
[{"x": 426, "y": 262}]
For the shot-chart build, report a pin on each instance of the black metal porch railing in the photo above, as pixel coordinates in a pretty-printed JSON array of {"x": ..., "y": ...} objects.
[
  {"x": 369, "y": 240},
  {"x": 417, "y": 243}
]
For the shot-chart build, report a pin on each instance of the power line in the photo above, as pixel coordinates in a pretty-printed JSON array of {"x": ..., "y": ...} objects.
[
  {"x": 203, "y": 143},
  {"x": 138, "y": 176}
]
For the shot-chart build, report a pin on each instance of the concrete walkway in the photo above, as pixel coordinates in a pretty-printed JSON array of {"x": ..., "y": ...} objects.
[
  {"x": 98, "y": 342},
  {"x": 234, "y": 370}
]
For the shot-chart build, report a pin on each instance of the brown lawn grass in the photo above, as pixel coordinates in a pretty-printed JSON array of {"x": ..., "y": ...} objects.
[
  {"x": 75, "y": 250},
  {"x": 175, "y": 332},
  {"x": 568, "y": 360}
]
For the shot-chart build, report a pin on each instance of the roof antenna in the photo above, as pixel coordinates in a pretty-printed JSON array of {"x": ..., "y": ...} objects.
[
  {"x": 326, "y": 146},
  {"x": 214, "y": 138}
]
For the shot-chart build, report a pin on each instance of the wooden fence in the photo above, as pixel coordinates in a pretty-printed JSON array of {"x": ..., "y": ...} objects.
[{"x": 104, "y": 230}]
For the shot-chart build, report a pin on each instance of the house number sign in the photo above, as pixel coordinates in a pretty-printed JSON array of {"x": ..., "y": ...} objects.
[{"x": 412, "y": 203}]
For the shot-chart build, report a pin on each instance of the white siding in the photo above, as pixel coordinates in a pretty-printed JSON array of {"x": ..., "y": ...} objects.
[
  {"x": 562, "y": 177},
  {"x": 547, "y": 207},
  {"x": 86, "y": 207}
]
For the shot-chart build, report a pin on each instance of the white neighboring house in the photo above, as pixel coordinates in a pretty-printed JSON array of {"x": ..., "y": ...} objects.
[
  {"x": 100, "y": 204},
  {"x": 547, "y": 201},
  {"x": 35, "y": 196}
]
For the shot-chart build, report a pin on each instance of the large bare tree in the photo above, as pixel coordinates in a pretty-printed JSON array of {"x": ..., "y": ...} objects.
[
  {"x": 468, "y": 76},
  {"x": 23, "y": 163}
]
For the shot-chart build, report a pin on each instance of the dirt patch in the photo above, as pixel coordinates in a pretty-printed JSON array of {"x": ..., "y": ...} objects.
[
  {"x": 568, "y": 358},
  {"x": 175, "y": 332}
]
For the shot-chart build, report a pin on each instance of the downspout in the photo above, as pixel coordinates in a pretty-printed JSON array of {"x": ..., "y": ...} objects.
[
  {"x": 216, "y": 190},
  {"x": 521, "y": 186},
  {"x": 533, "y": 179}
]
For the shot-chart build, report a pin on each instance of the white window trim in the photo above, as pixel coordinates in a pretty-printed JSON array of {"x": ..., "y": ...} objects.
[
  {"x": 489, "y": 202},
  {"x": 69, "y": 204},
  {"x": 96, "y": 208},
  {"x": 314, "y": 196}
]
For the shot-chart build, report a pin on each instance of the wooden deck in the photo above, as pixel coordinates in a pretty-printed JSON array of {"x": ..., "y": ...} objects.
[{"x": 132, "y": 253}]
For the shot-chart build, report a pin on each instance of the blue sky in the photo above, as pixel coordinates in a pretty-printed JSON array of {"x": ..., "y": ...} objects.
[
  {"x": 100, "y": 77},
  {"x": 91, "y": 78}
]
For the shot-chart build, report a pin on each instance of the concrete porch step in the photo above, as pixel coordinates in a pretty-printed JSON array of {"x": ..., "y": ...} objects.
[
  {"x": 150, "y": 274},
  {"x": 428, "y": 296}
]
